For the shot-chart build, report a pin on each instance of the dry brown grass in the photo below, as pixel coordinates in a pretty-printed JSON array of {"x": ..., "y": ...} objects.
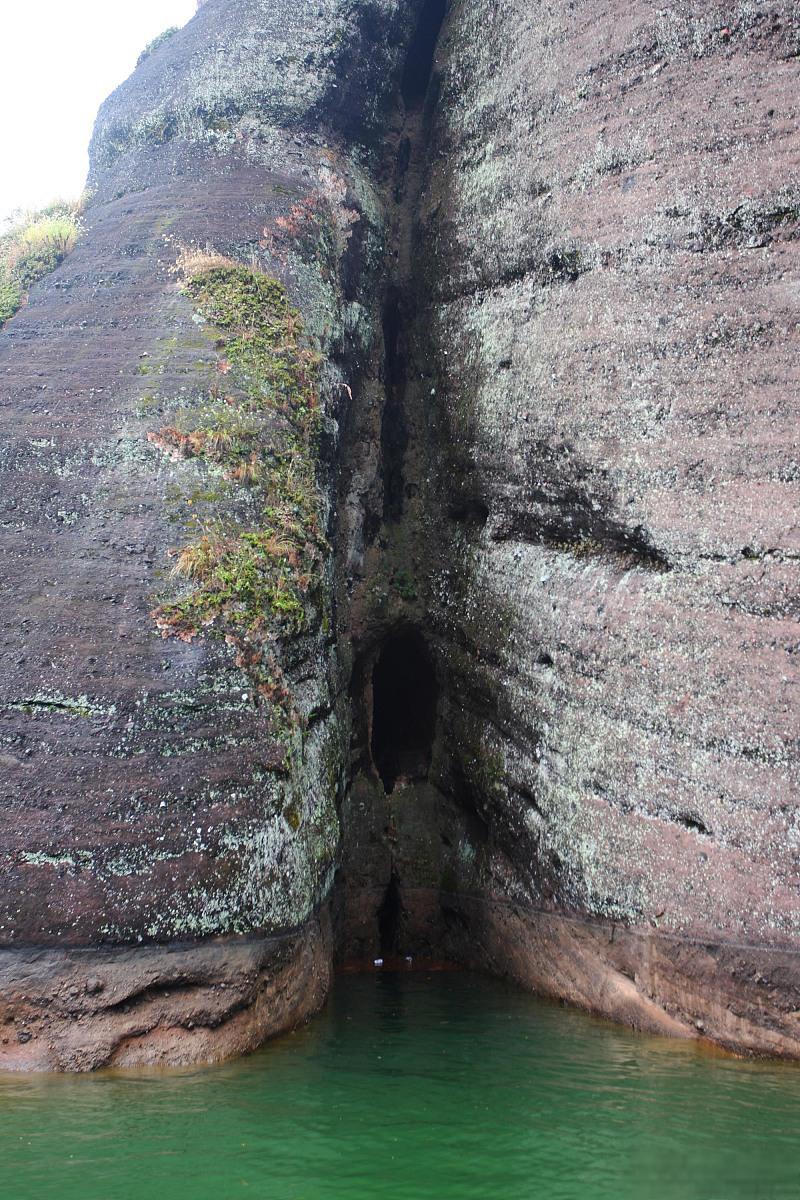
[
  {"x": 196, "y": 260},
  {"x": 199, "y": 559}
]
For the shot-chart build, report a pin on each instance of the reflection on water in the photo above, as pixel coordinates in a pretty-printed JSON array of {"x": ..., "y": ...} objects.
[{"x": 415, "y": 1087}]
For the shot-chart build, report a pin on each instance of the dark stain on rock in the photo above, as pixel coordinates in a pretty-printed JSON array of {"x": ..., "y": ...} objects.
[{"x": 553, "y": 409}]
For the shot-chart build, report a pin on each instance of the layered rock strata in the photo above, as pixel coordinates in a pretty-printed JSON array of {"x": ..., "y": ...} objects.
[
  {"x": 597, "y": 527},
  {"x": 171, "y": 758},
  {"x": 539, "y": 713}
]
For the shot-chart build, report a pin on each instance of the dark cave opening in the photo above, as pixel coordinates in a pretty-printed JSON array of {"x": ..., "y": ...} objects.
[
  {"x": 421, "y": 52},
  {"x": 404, "y": 703},
  {"x": 469, "y": 511}
]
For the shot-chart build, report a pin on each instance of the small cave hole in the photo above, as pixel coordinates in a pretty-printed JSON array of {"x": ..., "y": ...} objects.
[
  {"x": 693, "y": 823},
  {"x": 421, "y": 52},
  {"x": 404, "y": 702},
  {"x": 469, "y": 511}
]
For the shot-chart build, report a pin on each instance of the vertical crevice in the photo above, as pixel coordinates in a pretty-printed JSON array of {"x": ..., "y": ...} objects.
[
  {"x": 394, "y": 685},
  {"x": 410, "y": 154},
  {"x": 389, "y": 918},
  {"x": 419, "y": 64},
  {"x": 394, "y": 431}
]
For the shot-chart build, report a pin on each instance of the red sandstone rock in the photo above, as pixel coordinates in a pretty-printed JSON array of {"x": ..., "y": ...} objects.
[{"x": 555, "y": 293}]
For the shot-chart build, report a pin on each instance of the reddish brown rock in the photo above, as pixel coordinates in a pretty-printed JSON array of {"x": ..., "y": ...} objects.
[
  {"x": 599, "y": 522},
  {"x": 151, "y": 793},
  {"x": 552, "y": 270},
  {"x": 158, "y": 1006}
]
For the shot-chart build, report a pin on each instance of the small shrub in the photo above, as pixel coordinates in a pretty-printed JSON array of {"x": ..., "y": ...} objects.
[
  {"x": 156, "y": 42},
  {"x": 10, "y": 299},
  {"x": 404, "y": 585},
  {"x": 36, "y": 244}
]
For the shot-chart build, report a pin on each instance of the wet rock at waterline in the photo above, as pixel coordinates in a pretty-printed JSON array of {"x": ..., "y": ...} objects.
[{"x": 402, "y": 523}]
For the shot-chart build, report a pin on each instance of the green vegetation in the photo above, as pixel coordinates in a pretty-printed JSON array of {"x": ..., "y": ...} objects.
[
  {"x": 292, "y": 817},
  {"x": 253, "y": 579},
  {"x": 156, "y": 42},
  {"x": 404, "y": 585},
  {"x": 35, "y": 245}
]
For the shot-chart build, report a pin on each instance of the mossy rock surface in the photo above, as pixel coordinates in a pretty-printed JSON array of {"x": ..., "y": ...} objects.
[{"x": 255, "y": 571}]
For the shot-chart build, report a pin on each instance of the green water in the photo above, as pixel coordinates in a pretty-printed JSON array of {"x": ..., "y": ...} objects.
[{"x": 413, "y": 1087}]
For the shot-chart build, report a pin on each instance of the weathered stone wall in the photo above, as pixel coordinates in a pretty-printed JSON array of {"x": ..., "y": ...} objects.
[
  {"x": 151, "y": 791},
  {"x": 611, "y": 227},
  {"x": 553, "y": 289},
  {"x": 598, "y": 522}
]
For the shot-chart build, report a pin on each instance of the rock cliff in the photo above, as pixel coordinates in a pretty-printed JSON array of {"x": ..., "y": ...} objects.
[{"x": 402, "y": 529}]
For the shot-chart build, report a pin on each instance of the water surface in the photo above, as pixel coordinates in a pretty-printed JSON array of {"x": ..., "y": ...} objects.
[{"x": 415, "y": 1087}]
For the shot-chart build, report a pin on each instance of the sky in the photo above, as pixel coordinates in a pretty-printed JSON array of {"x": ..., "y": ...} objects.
[{"x": 60, "y": 59}]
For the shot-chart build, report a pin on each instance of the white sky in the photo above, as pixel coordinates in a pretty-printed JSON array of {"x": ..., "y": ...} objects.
[{"x": 59, "y": 59}]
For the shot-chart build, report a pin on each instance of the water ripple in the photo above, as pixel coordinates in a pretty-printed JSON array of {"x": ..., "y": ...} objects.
[{"x": 440, "y": 1087}]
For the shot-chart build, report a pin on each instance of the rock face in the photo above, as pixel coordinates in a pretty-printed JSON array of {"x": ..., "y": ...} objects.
[
  {"x": 163, "y": 789},
  {"x": 538, "y": 714}
]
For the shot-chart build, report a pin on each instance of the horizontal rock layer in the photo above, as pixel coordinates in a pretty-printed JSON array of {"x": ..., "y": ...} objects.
[
  {"x": 551, "y": 274},
  {"x": 157, "y": 1006},
  {"x": 611, "y": 261}
]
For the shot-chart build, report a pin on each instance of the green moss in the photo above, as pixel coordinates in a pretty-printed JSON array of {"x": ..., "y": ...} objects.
[
  {"x": 218, "y": 124},
  {"x": 54, "y": 703},
  {"x": 292, "y": 817},
  {"x": 404, "y": 585},
  {"x": 584, "y": 547},
  {"x": 257, "y": 579},
  {"x": 581, "y": 546},
  {"x": 157, "y": 130},
  {"x": 11, "y": 296}
]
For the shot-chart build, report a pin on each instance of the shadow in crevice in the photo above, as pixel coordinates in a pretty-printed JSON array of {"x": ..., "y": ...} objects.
[
  {"x": 404, "y": 704},
  {"x": 389, "y": 918},
  {"x": 394, "y": 429},
  {"x": 421, "y": 52}
]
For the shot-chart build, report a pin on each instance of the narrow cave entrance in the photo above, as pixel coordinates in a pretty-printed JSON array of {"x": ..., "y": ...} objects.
[
  {"x": 404, "y": 702},
  {"x": 421, "y": 52}
]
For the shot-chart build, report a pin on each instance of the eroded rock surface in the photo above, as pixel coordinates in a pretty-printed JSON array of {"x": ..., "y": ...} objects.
[
  {"x": 153, "y": 791},
  {"x": 593, "y": 515},
  {"x": 541, "y": 711}
]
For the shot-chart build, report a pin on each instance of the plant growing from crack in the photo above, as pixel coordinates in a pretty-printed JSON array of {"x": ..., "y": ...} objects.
[
  {"x": 255, "y": 576},
  {"x": 31, "y": 248}
]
